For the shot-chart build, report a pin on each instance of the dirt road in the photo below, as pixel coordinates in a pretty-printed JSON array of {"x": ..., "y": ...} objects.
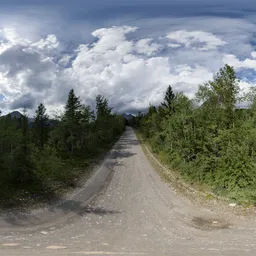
[{"x": 134, "y": 213}]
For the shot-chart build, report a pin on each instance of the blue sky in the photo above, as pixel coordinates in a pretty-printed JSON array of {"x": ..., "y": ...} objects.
[{"x": 127, "y": 50}]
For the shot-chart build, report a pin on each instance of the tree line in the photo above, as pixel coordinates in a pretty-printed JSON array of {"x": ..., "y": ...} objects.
[
  {"x": 209, "y": 140},
  {"x": 52, "y": 153}
]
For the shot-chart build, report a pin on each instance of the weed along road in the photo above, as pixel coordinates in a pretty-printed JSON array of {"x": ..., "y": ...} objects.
[{"x": 134, "y": 213}]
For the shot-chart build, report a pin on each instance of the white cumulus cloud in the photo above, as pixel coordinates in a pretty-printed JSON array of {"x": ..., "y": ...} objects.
[
  {"x": 130, "y": 72},
  {"x": 239, "y": 64},
  {"x": 145, "y": 46},
  {"x": 197, "y": 39},
  {"x": 253, "y": 54},
  {"x": 174, "y": 45}
]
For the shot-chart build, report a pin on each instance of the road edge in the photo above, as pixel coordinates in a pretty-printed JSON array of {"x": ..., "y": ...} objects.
[
  {"x": 64, "y": 208},
  {"x": 203, "y": 198}
]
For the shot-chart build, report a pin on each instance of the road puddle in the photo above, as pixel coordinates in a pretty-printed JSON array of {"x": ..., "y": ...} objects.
[{"x": 210, "y": 224}]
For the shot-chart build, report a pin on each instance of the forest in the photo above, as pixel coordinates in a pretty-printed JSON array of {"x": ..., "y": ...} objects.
[
  {"x": 208, "y": 140},
  {"x": 42, "y": 157}
]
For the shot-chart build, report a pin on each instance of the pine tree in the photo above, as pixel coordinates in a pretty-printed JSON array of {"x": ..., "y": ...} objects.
[
  {"x": 72, "y": 107},
  {"x": 22, "y": 163},
  {"x": 71, "y": 118},
  {"x": 102, "y": 108},
  {"x": 41, "y": 127},
  {"x": 167, "y": 106},
  {"x": 86, "y": 119},
  {"x": 103, "y": 120}
]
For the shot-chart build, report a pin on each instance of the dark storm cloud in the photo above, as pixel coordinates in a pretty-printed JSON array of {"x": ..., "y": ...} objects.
[
  {"x": 29, "y": 70},
  {"x": 99, "y": 10},
  {"x": 25, "y": 101},
  {"x": 17, "y": 59}
]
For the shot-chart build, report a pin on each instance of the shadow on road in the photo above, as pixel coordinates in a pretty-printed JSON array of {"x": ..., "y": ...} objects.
[
  {"x": 69, "y": 208},
  {"x": 59, "y": 206},
  {"x": 78, "y": 208},
  {"x": 121, "y": 154}
]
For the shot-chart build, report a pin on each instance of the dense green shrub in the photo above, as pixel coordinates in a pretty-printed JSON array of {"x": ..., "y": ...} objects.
[
  {"x": 49, "y": 153},
  {"x": 212, "y": 143}
]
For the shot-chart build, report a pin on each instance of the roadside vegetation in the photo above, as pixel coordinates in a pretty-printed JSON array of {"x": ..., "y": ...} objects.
[
  {"x": 209, "y": 140},
  {"x": 40, "y": 158}
]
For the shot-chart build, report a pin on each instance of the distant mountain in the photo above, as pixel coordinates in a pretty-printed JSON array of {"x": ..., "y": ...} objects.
[
  {"x": 15, "y": 114},
  {"x": 127, "y": 116}
]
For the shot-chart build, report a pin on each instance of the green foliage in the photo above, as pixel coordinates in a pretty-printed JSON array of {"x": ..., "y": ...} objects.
[
  {"x": 167, "y": 107},
  {"x": 102, "y": 108},
  {"x": 212, "y": 144},
  {"x": 41, "y": 127},
  {"x": 107, "y": 125},
  {"x": 47, "y": 165},
  {"x": 53, "y": 153}
]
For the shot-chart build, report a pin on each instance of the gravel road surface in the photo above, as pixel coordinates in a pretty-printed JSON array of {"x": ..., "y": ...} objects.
[{"x": 134, "y": 213}]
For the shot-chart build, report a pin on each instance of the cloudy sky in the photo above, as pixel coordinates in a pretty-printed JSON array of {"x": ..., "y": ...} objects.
[{"x": 127, "y": 50}]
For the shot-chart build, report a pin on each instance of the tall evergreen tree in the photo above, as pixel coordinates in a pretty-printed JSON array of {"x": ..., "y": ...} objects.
[
  {"x": 41, "y": 126},
  {"x": 104, "y": 120},
  {"x": 86, "y": 119},
  {"x": 71, "y": 118},
  {"x": 102, "y": 108},
  {"x": 167, "y": 107},
  {"x": 22, "y": 163},
  {"x": 28, "y": 164},
  {"x": 72, "y": 108}
]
